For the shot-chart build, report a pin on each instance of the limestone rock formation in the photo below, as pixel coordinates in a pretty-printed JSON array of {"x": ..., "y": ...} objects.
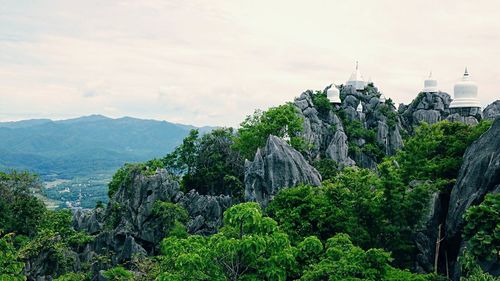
[
  {"x": 275, "y": 167},
  {"x": 323, "y": 131},
  {"x": 492, "y": 110},
  {"x": 128, "y": 227},
  {"x": 479, "y": 175},
  {"x": 377, "y": 118},
  {"x": 426, "y": 107}
]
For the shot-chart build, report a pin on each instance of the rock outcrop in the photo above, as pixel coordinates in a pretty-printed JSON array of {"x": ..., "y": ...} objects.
[
  {"x": 492, "y": 110},
  {"x": 324, "y": 132},
  {"x": 379, "y": 121},
  {"x": 426, "y": 107},
  {"x": 478, "y": 176},
  {"x": 129, "y": 228},
  {"x": 275, "y": 167}
]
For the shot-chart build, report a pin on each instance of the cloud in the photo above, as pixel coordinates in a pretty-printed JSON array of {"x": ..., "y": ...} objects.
[{"x": 214, "y": 62}]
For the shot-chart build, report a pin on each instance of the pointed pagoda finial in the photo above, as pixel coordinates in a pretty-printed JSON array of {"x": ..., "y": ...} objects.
[
  {"x": 466, "y": 72},
  {"x": 430, "y": 74},
  {"x": 356, "y": 65}
]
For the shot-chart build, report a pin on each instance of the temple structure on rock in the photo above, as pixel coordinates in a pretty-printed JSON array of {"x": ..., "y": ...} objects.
[
  {"x": 430, "y": 85},
  {"x": 356, "y": 80},
  {"x": 333, "y": 94},
  {"x": 465, "y": 101}
]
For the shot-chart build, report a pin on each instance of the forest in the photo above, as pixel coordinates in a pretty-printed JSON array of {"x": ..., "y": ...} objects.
[{"x": 358, "y": 224}]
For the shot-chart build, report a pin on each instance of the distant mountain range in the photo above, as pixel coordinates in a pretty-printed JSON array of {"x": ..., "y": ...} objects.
[{"x": 82, "y": 146}]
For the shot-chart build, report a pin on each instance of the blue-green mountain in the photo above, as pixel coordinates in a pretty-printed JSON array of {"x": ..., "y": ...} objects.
[{"x": 87, "y": 145}]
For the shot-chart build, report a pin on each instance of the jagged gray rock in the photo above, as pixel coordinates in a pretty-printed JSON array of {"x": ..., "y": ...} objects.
[
  {"x": 325, "y": 133},
  {"x": 478, "y": 176},
  {"x": 426, "y": 107},
  {"x": 469, "y": 120},
  {"x": 206, "y": 211},
  {"x": 275, "y": 167},
  {"x": 492, "y": 110},
  {"x": 426, "y": 234},
  {"x": 128, "y": 227}
]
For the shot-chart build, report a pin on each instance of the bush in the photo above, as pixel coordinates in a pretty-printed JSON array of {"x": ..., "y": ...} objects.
[{"x": 278, "y": 121}]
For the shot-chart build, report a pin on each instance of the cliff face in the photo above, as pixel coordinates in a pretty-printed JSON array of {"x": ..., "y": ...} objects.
[
  {"x": 324, "y": 132},
  {"x": 275, "y": 167},
  {"x": 426, "y": 107},
  {"x": 128, "y": 227},
  {"x": 492, "y": 110},
  {"x": 478, "y": 176},
  {"x": 376, "y": 131}
]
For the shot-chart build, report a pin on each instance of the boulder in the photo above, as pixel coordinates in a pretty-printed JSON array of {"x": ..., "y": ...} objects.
[
  {"x": 426, "y": 107},
  {"x": 275, "y": 167},
  {"x": 492, "y": 110}
]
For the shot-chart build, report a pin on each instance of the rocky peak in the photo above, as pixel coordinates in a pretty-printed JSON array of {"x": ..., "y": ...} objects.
[
  {"x": 492, "y": 110},
  {"x": 275, "y": 167},
  {"x": 426, "y": 107}
]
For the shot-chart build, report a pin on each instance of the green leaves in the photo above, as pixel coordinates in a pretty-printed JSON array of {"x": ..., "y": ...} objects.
[
  {"x": 248, "y": 247},
  {"x": 118, "y": 274},
  {"x": 278, "y": 121},
  {"x": 482, "y": 228},
  {"x": 11, "y": 265}
]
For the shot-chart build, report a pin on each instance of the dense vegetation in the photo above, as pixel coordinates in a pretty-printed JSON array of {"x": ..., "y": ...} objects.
[{"x": 358, "y": 225}]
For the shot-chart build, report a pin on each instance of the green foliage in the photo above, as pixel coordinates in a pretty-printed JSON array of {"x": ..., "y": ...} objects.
[
  {"x": 327, "y": 167},
  {"x": 482, "y": 228},
  {"x": 120, "y": 177},
  {"x": 11, "y": 265},
  {"x": 356, "y": 130},
  {"x": 471, "y": 271},
  {"x": 172, "y": 217},
  {"x": 20, "y": 211},
  {"x": 388, "y": 111},
  {"x": 436, "y": 151},
  {"x": 344, "y": 261},
  {"x": 72, "y": 276},
  {"x": 278, "y": 121},
  {"x": 248, "y": 247},
  {"x": 209, "y": 164},
  {"x": 55, "y": 240},
  {"x": 118, "y": 274},
  {"x": 349, "y": 203},
  {"x": 321, "y": 102}
]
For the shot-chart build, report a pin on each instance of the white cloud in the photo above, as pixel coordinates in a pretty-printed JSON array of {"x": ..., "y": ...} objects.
[{"x": 214, "y": 62}]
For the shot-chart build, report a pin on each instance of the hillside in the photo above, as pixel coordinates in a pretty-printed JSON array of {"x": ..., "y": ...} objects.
[
  {"x": 83, "y": 146},
  {"x": 77, "y": 157},
  {"x": 309, "y": 190}
]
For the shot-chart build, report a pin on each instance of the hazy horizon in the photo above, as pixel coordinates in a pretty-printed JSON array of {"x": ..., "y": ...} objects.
[{"x": 213, "y": 63}]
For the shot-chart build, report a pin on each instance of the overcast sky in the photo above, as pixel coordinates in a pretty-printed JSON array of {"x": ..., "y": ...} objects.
[{"x": 214, "y": 62}]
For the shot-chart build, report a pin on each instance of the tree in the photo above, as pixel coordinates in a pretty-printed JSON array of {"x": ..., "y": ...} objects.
[
  {"x": 118, "y": 273},
  {"x": 278, "y": 121},
  {"x": 11, "y": 266},
  {"x": 482, "y": 228},
  {"x": 248, "y": 247},
  {"x": 344, "y": 261},
  {"x": 349, "y": 203},
  {"x": 21, "y": 210},
  {"x": 217, "y": 167}
]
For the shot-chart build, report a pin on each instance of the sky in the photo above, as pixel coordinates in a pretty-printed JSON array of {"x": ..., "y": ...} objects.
[{"x": 214, "y": 62}]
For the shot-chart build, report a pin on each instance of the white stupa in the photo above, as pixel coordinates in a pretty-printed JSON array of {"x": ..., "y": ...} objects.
[
  {"x": 382, "y": 98},
  {"x": 359, "y": 108},
  {"x": 430, "y": 85},
  {"x": 465, "y": 93},
  {"x": 333, "y": 94},
  {"x": 356, "y": 80}
]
